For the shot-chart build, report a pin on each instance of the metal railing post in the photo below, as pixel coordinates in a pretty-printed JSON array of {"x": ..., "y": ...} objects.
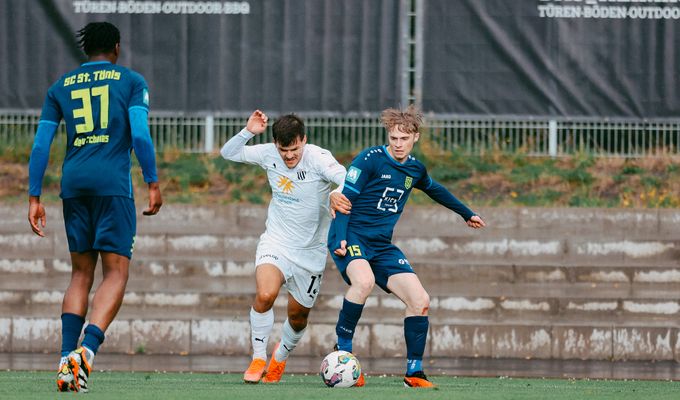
[
  {"x": 552, "y": 138},
  {"x": 209, "y": 141}
]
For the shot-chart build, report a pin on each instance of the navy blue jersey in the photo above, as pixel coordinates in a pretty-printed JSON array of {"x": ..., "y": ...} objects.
[
  {"x": 94, "y": 101},
  {"x": 383, "y": 186},
  {"x": 378, "y": 187}
]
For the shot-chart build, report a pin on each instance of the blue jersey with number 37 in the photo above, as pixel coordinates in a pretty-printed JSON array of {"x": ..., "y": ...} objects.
[
  {"x": 94, "y": 101},
  {"x": 380, "y": 186}
]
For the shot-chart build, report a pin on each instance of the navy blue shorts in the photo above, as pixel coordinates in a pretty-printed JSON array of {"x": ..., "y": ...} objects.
[
  {"x": 100, "y": 223},
  {"x": 385, "y": 259}
]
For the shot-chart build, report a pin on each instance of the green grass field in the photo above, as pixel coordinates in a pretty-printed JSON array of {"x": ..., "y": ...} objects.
[{"x": 141, "y": 385}]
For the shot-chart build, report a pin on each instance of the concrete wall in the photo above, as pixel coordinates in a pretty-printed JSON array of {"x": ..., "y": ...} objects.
[{"x": 536, "y": 283}]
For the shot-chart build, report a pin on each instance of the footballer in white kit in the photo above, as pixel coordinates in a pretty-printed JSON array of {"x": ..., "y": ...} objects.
[{"x": 292, "y": 250}]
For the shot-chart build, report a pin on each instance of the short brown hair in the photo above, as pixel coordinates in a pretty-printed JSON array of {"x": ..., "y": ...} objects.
[
  {"x": 409, "y": 119},
  {"x": 287, "y": 129}
]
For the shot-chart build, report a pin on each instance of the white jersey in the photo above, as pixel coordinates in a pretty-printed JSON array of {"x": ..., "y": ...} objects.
[{"x": 298, "y": 216}]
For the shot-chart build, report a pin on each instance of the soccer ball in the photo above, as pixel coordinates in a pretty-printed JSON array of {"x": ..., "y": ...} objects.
[{"x": 340, "y": 369}]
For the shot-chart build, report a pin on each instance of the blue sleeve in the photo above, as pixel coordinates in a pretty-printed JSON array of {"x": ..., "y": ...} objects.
[
  {"x": 51, "y": 111},
  {"x": 357, "y": 176},
  {"x": 40, "y": 155},
  {"x": 141, "y": 143},
  {"x": 140, "y": 92},
  {"x": 441, "y": 195}
]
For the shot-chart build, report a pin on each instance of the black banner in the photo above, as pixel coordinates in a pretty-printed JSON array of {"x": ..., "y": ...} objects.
[
  {"x": 611, "y": 58},
  {"x": 225, "y": 56},
  {"x": 601, "y": 58}
]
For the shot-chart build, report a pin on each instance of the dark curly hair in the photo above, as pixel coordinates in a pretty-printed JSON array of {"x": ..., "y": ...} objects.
[{"x": 98, "y": 38}]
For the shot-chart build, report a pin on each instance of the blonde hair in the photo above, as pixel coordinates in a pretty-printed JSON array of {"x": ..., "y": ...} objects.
[{"x": 409, "y": 120}]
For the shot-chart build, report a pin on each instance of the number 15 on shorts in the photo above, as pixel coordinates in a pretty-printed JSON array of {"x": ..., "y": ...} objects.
[{"x": 354, "y": 250}]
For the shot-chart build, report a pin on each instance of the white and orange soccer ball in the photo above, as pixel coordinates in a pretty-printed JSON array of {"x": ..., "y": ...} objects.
[{"x": 340, "y": 369}]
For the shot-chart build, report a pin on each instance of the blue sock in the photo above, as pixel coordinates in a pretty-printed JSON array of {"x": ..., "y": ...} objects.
[
  {"x": 347, "y": 323},
  {"x": 71, "y": 325},
  {"x": 413, "y": 366},
  {"x": 415, "y": 333},
  {"x": 93, "y": 338}
]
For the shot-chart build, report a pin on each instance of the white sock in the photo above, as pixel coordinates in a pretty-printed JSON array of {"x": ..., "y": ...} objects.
[
  {"x": 289, "y": 340},
  {"x": 261, "y": 325}
]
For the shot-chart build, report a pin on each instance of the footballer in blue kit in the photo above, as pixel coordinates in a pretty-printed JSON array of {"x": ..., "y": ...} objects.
[
  {"x": 378, "y": 184},
  {"x": 105, "y": 111}
]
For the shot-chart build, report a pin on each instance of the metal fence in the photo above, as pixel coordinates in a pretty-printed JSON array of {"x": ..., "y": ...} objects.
[{"x": 464, "y": 134}]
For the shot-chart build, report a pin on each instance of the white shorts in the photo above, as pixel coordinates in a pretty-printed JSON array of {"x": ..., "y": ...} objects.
[{"x": 302, "y": 269}]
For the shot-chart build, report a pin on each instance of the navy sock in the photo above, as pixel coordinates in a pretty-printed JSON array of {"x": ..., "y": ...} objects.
[
  {"x": 415, "y": 333},
  {"x": 93, "y": 338},
  {"x": 71, "y": 325},
  {"x": 347, "y": 323}
]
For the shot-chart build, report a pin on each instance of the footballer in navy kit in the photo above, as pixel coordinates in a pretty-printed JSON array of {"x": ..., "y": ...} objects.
[
  {"x": 378, "y": 184},
  {"x": 105, "y": 110}
]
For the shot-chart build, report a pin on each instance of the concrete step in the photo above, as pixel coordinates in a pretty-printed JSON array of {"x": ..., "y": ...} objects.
[
  {"x": 240, "y": 247},
  {"x": 372, "y": 340},
  {"x": 606, "y": 304},
  {"x": 334, "y": 285},
  {"x": 375, "y": 368},
  {"x": 425, "y": 221},
  {"x": 210, "y": 268}
]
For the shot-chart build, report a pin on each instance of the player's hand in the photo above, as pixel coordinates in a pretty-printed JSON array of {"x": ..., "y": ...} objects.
[
  {"x": 155, "y": 199},
  {"x": 36, "y": 212},
  {"x": 340, "y": 202},
  {"x": 257, "y": 123},
  {"x": 476, "y": 222},
  {"x": 342, "y": 250}
]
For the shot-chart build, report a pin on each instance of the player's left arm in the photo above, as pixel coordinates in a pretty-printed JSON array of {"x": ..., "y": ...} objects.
[
  {"x": 441, "y": 195},
  {"x": 138, "y": 112}
]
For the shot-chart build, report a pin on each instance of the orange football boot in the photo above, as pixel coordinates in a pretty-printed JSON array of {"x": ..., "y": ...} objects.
[
  {"x": 361, "y": 381},
  {"x": 255, "y": 371},
  {"x": 417, "y": 380},
  {"x": 275, "y": 369}
]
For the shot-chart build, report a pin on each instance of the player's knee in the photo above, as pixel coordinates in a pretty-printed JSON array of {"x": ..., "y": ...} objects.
[
  {"x": 364, "y": 285},
  {"x": 82, "y": 276},
  {"x": 298, "y": 321},
  {"x": 265, "y": 299},
  {"x": 118, "y": 275},
  {"x": 420, "y": 304}
]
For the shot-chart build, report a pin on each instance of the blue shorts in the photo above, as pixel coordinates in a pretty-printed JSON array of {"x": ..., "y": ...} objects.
[
  {"x": 100, "y": 223},
  {"x": 385, "y": 260}
]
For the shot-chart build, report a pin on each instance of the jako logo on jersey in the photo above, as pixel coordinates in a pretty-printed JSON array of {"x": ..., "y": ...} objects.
[
  {"x": 301, "y": 175},
  {"x": 385, "y": 176},
  {"x": 408, "y": 182},
  {"x": 285, "y": 184},
  {"x": 353, "y": 174}
]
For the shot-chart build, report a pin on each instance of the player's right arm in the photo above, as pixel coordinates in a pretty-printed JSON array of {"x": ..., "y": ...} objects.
[
  {"x": 235, "y": 149},
  {"x": 40, "y": 155},
  {"x": 357, "y": 176}
]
